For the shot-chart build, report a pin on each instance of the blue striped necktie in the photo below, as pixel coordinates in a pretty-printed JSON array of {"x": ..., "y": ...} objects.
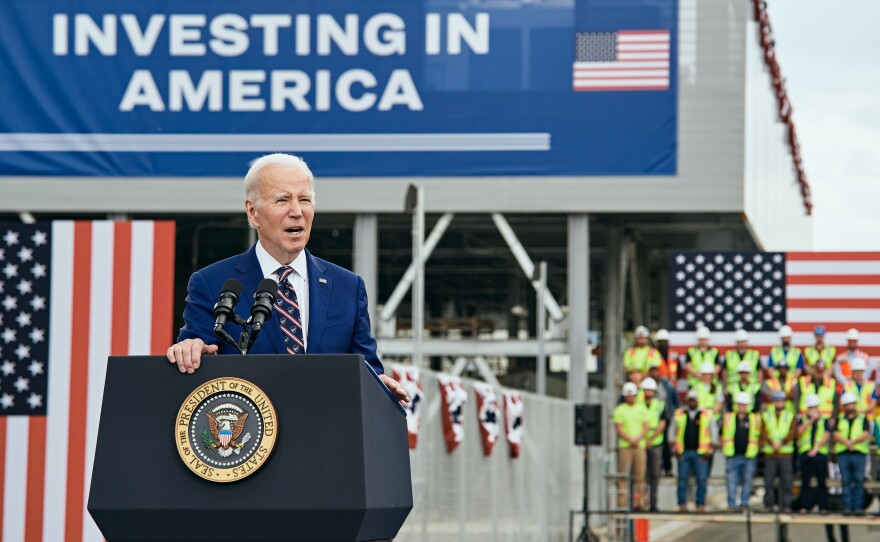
[{"x": 287, "y": 307}]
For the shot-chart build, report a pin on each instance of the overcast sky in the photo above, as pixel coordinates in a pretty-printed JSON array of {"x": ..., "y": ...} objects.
[{"x": 829, "y": 53}]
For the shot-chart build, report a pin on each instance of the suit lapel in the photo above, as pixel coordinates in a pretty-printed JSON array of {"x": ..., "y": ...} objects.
[
  {"x": 319, "y": 298},
  {"x": 251, "y": 275}
]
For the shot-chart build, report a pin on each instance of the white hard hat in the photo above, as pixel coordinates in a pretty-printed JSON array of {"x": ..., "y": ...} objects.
[
  {"x": 649, "y": 384},
  {"x": 858, "y": 364},
  {"x": 847, "y": 398},
  {"x": 662, "y": 335},
  {"x": 707, "y": 368},
  {"x": 741, "y": 335},
  {"x": 693, "y": 394},
  {"x": 785, "y": 331},
  {"x": 812, "y": 400},
  {"x": 642, "y": 331},
  {"x": 852, "y": 334},
  {"x": 744, "y": 367},
  {"x": 703, "y": 332},
  {"x": 743, "y": 398},
  {"x": 629, "y": 389}
]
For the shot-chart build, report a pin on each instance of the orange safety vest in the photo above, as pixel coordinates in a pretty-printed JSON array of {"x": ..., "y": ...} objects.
[{"x": 843, "y": 361}]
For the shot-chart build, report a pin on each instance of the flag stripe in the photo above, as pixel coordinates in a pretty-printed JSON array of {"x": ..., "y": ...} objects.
[
  {"x": 833, "y": 303},
  {"x": 829, "y": 291},
  {"x": 36, "y": 478},
  {"x": 140, "y": 322},
  {"x": 163, "y": 286},
  {"x": 832, "y": 256},
  {"x": 79, "y": 361},
  {"x": 100, "y": 315},
  {"x": 835, "y": 326},
  {"x": 60, "y": 321},
  {"x": 15, "y": 479},
  {"x": 629, "y": 65},
  {"x": 834, "y": 315},
  {"x": 825, "y": 267},
  {"x": 121, "y": 288},
  {"x": 833, "y": 279}
]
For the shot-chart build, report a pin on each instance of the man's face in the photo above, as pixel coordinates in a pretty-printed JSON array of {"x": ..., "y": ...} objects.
[
  {"x": 641, "y": 341},
  {"x": 742, "y": 345},
  {"x": 649, "y": 394},
  {"x": 852, "y": 344},
  {"x": 849, "y": 408},
  {"x": 742, "y": 408},
  {"x": 813, "y": 412},
  {"x": 630, "y": 399},
  {"x": 786, "y": 342},
  {"x": 744, "y": 377},
  {"x": 783, "y": 371},
  {"x": 706, "y": 377},
  {"x": 663, "y": 344},
  {"x": 283, "y": 216},
  {"x": 820, "y": 340},
  {"x": 654, "y": 372},
  {"x": 692, "y": 403},
  {"x": 858, "y": 375},
  {"x": 703, "y": 343},
  {"x": 779, "y": 404},
  {"x": 635, "y": 377},
  {"x": 818, "y": 370}
]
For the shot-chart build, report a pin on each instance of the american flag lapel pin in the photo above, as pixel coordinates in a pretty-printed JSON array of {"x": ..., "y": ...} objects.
[{"x": 322, "y": 280}]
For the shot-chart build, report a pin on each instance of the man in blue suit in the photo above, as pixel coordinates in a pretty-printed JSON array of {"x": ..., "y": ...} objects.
[{"x": 331, "y": 302}]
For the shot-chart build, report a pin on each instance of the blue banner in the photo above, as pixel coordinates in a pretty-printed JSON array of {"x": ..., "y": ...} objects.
[{"x": 359, "y": 88}]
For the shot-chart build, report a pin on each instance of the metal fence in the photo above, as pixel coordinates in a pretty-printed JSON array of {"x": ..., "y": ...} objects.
[{"x": 468, "y": 497}]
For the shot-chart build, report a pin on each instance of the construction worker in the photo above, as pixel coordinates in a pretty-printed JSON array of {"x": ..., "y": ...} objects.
[
  {"x": 784, "y": 382},
  {"x": 779, "y": 432},
  {"x": 851, "y": 447},
  {"x": 814, "y": 436},
  {"x": 669, "y": 359},
  {"x": 640, "y": 355},
  {"x": 864, "y": 392},
  {"x": 709, "y": 394},
  {"x": 787, "y": 352},
  {"x": 631, "y": 420},
  {"x": 733, "y": 359},
  {"x": 740, "y": 435},
  {"x": 842, "y": 364},
  {"x": 692, "y": 433},
  {"x": 699, "y": 355},
  {"x": 823, "y": 386},
  {"x": 743, "y": 384},
  {"x": 819, "y": 350},
  {"x": 667, "y": 393},
  {"x": 656, "y": 429}
]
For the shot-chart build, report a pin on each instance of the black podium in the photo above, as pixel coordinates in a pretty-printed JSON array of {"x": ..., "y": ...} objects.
[{"x": 339, "y": 470}]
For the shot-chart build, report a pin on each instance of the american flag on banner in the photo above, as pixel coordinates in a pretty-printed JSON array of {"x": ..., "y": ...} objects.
[
  {"x": 71, "y": 294},
  {"x": 761, "y": 291},
  {"x": 623, "y": 60}
]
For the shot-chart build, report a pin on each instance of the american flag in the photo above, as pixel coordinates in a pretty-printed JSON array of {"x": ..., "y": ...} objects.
[
  {"x": 761, "y": 291},
  {"x": 73, "y": 293},
  {"x": 623, "y": 60}
]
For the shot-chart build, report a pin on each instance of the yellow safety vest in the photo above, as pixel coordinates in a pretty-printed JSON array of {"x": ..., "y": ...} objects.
[
  {"x": 705, "y": 438},
  {"x": 706, "y": 398},
  {"x": 812, "y": 355},
  {"x": 697, "y": 358},
  {"x": 728, "y": 432},
  {"x": 825, "y": 392},
  {"x": 752, "y": 389},
  {"x": 804, "y": 445},
  {"x": 640, "y": 358},
  {"x": 655, "y": 411},
  {"x": 775, "y": 385},
  {"x": 778, "y": 429},
  {"x": 864, "y": 395},
  {"x": 851, "y": 433},
  {"x": 792, "y": 356},
  {"x": 732, "y": 359}
]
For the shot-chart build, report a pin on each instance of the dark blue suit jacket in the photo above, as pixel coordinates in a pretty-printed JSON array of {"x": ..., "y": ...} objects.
[{"x": 338, "y": 319}]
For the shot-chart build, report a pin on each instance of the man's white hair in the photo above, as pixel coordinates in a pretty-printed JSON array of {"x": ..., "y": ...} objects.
[{"x": 252, "y": 178}]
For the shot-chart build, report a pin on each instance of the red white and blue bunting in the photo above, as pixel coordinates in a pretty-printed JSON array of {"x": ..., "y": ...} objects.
[
  {"x": 453, "y": 398},
  {"x": 488, "y": 415},
  {"x": 408, "y": 377},
  {"x": 513, "y": 419}
]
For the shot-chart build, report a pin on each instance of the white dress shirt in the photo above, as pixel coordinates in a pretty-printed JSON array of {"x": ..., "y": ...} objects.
[{"x": 299, "y": 280}]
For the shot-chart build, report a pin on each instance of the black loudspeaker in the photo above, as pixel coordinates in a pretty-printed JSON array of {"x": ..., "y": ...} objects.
[{"x": 587, "y": 425}]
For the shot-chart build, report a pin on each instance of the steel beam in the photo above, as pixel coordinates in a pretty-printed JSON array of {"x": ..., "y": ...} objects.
[
  {"x": 400, "y": 290},
  {"x": 472, "y": 347},
  {"x": 522, "y": 258},
  {"x": 578, "y": 304},
  {"x": 366, "y": 263}
]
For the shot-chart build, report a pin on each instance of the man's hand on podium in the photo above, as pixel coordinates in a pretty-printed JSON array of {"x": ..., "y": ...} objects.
[
  {"x": 187, "y": 354},
  {"x": 395, "y": 387}
]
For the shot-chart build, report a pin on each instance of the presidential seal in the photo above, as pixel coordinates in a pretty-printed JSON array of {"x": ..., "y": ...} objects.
[{"x": 226, "y": 429}]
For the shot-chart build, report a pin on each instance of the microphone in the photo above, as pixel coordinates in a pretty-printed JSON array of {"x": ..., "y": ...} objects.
[
  {"x": 261, "y": 310},
  {"x": 224, "y": 310}
]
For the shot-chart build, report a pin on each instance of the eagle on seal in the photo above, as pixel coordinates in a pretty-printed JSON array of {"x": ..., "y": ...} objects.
[{"x": 225, "y": 432}]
